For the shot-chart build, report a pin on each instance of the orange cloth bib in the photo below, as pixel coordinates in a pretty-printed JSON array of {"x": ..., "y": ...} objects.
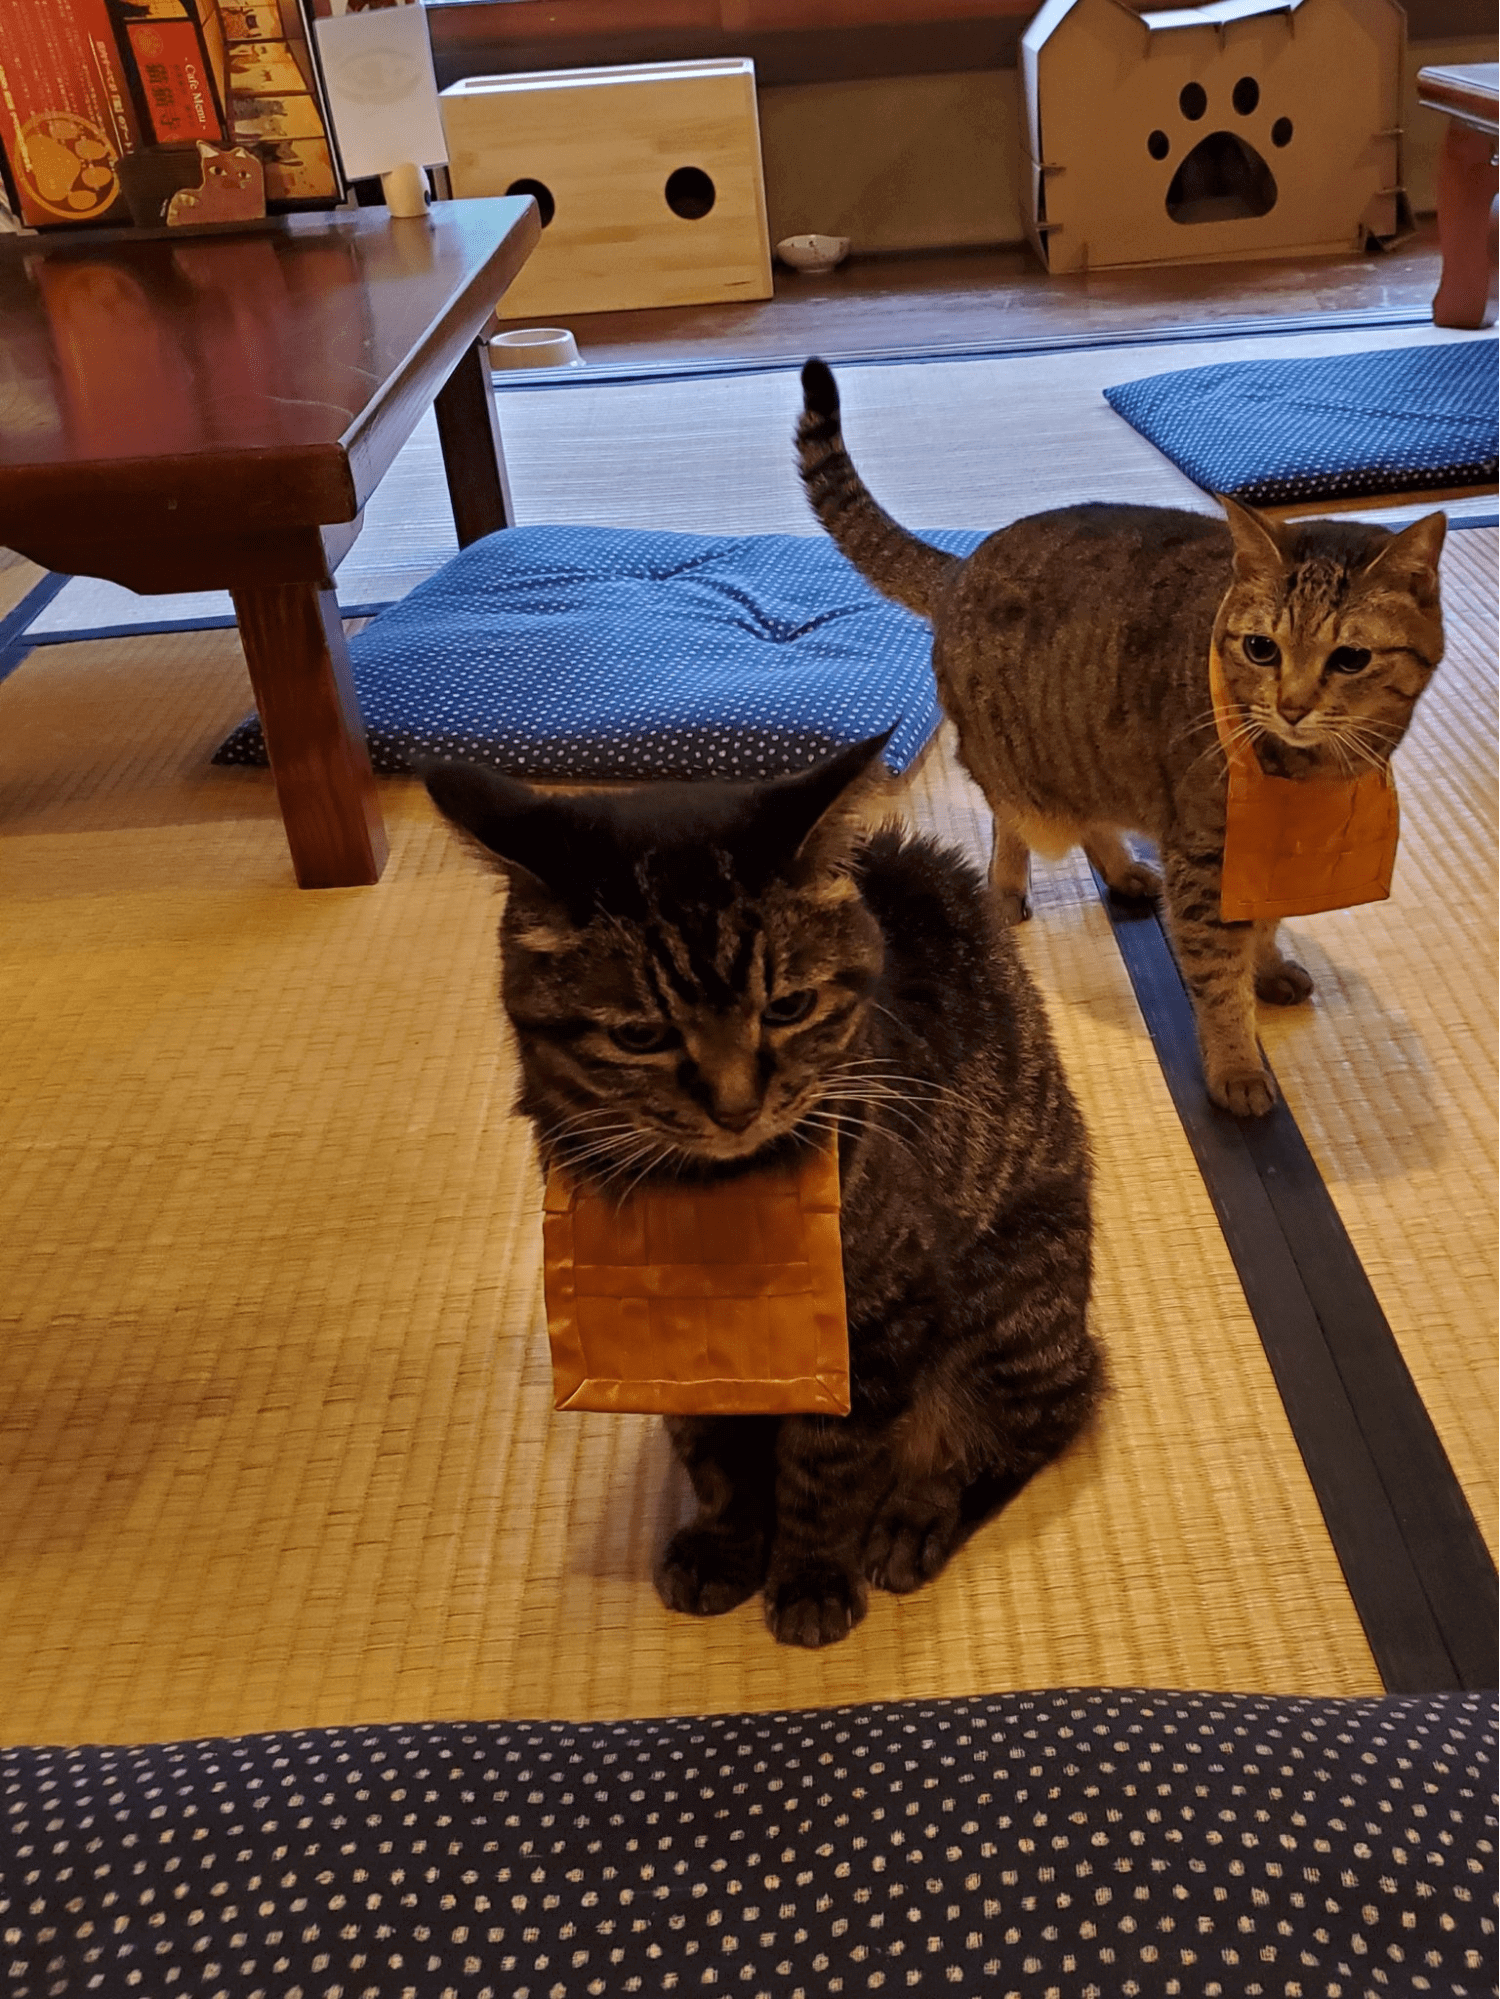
[
  {"x": 1293, "y": 847},
  {"x": 725, "y": 1300}
]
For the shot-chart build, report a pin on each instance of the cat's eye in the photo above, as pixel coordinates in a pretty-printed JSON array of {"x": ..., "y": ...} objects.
[
  {"x": 790, "y": 1008},
  {"x": 643, "y": 1037},
  {"x": 1348, "y": 659},
  {"x": 1259, "y": 650}
]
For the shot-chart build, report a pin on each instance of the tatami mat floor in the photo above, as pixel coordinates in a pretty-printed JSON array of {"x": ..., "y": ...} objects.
[
  {"x": 277, "y": 1434},
  {"x": 276, "y": 1443}
]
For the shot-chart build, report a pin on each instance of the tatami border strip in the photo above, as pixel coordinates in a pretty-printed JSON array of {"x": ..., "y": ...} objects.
[
  {"x": 1419, "y": 1574},
  {"x": 218, "y": 622},
  {"x": 14, "y": 644},
  {"x": 1356, "y": 319}
]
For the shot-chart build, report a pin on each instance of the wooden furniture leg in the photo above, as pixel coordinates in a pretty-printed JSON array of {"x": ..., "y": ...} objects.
[
  {"x": 1465, "y": 195},
  {"x": 299, "y": 668},
  {"x": 473, "y": 456}
]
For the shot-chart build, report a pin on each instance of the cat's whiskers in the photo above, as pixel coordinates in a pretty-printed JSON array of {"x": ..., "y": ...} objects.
[
  {"x": 1246, "y": 730},
  {"x": 893, "y": 1105},
  {"x": 660, "y": 1155},
  {"x": 1369, "y": 742},
  {"x": 603, "y": 1167},
  {"x": 837, "y": 1122},
  {"x": 1206, "y": 720},
  {"x": 600, "y": 1116},
  {"x": 882, "y": 1069}
]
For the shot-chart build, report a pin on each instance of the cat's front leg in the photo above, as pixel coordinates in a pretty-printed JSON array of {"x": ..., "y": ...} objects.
[
  {"x": 1279, "y": 980},
  {"x": 720, "y": 1557},
  {"x": 1010, "y": 868},
  {"x": 830, "y": 1475},
  {"x": 1218, "y": 968}
]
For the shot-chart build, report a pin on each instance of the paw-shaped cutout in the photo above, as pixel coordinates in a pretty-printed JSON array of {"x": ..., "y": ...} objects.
[{"x": 1222, "y": 177}]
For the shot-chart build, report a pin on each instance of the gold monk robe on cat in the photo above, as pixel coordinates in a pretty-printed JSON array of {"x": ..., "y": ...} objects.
[
  {"x": 1295, "y": 847},
  {"x": 717, "y": 1300}
]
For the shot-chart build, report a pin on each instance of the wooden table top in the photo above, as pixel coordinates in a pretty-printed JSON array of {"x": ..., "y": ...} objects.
[
  {"x": 271, "y": 376},
  {"x": 1468, "y": 91}
]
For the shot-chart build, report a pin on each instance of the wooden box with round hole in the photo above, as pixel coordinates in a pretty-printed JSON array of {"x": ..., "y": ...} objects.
[
  {"x": 1245, "y": 128},
  {"x": 648, "y": 177}
]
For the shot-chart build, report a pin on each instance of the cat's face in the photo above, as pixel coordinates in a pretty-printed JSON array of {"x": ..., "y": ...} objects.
[
  {"x": 1328, "y": 634},
  {"x": 686, "y": 966}
]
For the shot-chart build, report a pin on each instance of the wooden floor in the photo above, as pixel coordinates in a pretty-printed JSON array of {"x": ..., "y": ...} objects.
[{"x": 975, "y": 297}]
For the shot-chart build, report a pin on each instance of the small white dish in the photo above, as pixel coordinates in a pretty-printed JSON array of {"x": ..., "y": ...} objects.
[
  {"x": 813, "y": 253},
  {"x": 535, "y": 347}
]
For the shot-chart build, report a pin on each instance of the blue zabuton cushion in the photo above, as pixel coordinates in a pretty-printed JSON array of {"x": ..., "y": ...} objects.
[
  {"x": 585, "y": 652},
  {"x": 1400, "y": 420}
]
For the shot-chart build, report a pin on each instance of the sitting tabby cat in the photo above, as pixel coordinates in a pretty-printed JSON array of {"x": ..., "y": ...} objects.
[
  {"x": 702, "y": 977},
  {"x": 1071, "y": 651}
]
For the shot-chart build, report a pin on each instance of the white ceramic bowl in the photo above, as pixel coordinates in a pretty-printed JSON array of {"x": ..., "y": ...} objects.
[
  {"x": 813, "y": 253},
  {"x": 535, "y": 347}
]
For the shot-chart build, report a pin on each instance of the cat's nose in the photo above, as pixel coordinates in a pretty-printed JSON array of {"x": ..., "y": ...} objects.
[{"x": 736, "y": 1119}]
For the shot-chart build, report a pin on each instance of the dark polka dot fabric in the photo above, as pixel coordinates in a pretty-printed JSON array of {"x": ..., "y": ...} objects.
[
  {"x": 1044, "y": 1846},
  {"x": 581, "y": 652},
  {"x": 1401, "y": 420}
]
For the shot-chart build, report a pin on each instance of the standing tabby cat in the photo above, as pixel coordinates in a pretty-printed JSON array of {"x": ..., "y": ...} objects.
[
  {"x": 703, "y": 977},
  {"x": 1071, "y": 651}
]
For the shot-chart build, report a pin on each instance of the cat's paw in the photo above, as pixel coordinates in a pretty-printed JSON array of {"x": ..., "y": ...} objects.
[
  {"x": 906, "y": 1549},
  {"x": 705, "y": 1571},
  {"x": 1283, "y": 984},
  {"x": 1243, "y": 1092},
  {"x": 1011, "y": 906},
  {"x": 817, "y": 1604},
  {"x": 1136, "y": 883}
]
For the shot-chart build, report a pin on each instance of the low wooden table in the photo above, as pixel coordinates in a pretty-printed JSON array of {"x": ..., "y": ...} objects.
[
  {"x": 1467, "y": 94},
  {"x": 214, "y": 412}
]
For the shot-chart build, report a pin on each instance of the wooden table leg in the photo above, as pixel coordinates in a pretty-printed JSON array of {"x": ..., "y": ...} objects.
[
  {"x": 473, "y": 456},
  {"x": 299, "y": 668},
  {"x": 1465, "y": 194}
]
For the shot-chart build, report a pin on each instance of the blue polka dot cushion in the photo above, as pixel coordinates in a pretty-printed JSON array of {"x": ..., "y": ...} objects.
[
  {"x": 1401, "y": 420},
  {"x": 586, "y": 652},
  {"x": 1011, "y": 1846}
]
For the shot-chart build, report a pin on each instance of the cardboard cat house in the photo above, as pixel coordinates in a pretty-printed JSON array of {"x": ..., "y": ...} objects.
[
  {"x": 1247, "y": 128},
  {"x": 648, "y": 178}
]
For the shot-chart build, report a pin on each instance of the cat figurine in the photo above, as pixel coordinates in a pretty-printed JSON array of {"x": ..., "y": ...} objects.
[
  {"x": 705, "y": 977},
  {"x": 1071, "y": 651}
]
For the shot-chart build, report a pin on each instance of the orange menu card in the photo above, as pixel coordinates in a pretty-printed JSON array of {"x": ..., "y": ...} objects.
[
  {"x": 1295, "y": 846},
  {"x": 725, "y": 1299}
]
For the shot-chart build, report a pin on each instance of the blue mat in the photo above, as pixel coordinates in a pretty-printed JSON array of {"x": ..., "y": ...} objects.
[
  {"x": 1401, "y": 420},
  {"x": 582, "y": 652}
]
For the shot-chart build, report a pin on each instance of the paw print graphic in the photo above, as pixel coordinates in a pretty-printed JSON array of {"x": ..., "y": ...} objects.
[{"x": 1223, "y": 176}]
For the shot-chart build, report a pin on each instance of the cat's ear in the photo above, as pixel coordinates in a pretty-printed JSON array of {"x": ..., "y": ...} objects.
[
  {"x": 1411, "y": 557},
  {"x": 1259, "y": 550},
  {"x": 807, "y": 814},
  {"x": 518, "y": 825}
]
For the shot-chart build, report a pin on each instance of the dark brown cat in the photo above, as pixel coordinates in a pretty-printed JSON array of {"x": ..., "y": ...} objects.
[
  {"x": 1071, "y": 651},
  {"x": 704, "y": 977}
]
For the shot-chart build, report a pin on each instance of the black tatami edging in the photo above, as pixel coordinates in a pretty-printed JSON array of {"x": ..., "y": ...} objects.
[
  {"x": 14, "y": 644},
  {"x": 1419, "y": 1574}
]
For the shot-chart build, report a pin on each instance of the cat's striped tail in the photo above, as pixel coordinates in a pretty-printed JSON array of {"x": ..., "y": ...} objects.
[{"x": 897, "y": 563}]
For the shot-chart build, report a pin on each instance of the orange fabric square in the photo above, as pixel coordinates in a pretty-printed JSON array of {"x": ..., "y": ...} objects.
[
  {"x": 723, "y": 1300},
  {"x": 1295, "y": 846}
]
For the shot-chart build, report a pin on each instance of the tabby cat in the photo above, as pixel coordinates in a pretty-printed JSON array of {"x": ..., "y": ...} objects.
[
  {"x": 1071, "y": 651},
  {"x": 704, "y": 977}
]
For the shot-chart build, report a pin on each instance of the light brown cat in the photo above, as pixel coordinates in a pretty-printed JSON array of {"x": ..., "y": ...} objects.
[{"x": 1071, "y": 650}]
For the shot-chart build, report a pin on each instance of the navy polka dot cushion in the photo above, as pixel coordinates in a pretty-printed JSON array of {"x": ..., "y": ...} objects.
[
  {"x": 1025, "y": 1846},
  {"x": 1402, "y": 420},
  {"x": 584, "y": 652}
]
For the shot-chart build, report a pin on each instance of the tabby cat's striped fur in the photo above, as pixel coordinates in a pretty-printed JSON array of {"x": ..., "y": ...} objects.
[
  {"x": 1071, "y": 651},
  {"x": 702, "y": 977}
]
